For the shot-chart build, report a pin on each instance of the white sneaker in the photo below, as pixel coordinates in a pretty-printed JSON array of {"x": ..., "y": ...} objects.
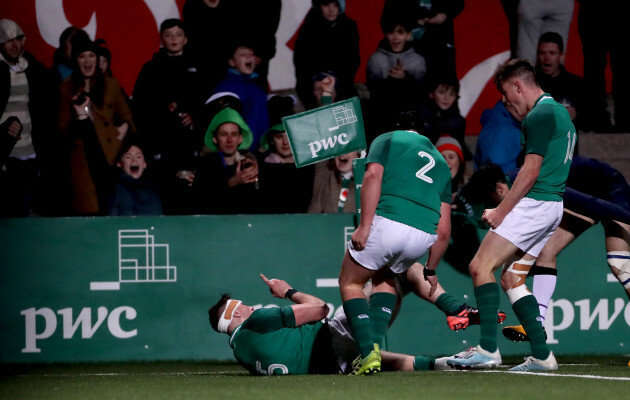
[
  {"x": 475, "y": 357},
  {"x": 441, "y": 365},
  {"x": 534, "y": 364}
]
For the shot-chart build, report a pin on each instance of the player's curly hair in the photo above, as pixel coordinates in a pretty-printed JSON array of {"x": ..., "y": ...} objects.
[{"x": 215, "y": 311}]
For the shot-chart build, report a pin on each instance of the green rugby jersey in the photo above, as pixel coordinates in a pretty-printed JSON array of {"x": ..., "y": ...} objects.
[
  {"x": 416, "y": 179},
  {"x": 269, "y": 343},
  {"x": 550, "y": 133}
]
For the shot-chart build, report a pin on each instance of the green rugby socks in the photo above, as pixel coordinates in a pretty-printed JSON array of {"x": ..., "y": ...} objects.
[
  {"x": 422, "y": 363},
  {"x": 449, "y": 304},
  {"x": 358, "y": 313},
  {"x": 381, "y": 307},
  {"x": 527, "y": 312},
  {"x": 487, "y": 296}
]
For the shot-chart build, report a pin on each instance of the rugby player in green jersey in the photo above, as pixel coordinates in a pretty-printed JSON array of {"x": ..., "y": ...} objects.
[
  {"x": 405, "y": 212},
  {"x": 295, "y": 340},
  {"x": 524, "y": 221}
]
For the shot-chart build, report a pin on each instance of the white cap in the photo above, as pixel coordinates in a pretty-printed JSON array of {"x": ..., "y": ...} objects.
[
  {"x": 9, "y": 30},
  {"x": 221, "y": 94}
]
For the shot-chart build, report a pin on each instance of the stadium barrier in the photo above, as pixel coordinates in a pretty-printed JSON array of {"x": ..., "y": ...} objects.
[{"x": 122, "y": 289}]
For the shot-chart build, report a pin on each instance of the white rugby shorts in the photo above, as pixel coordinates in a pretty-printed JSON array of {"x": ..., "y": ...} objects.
[
  {"x": 393, "y": 245},
  {"x": 530, "y": 224}
]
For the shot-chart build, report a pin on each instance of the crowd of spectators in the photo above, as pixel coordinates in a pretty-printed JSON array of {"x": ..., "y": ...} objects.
[{"x": 201, "y": 134}]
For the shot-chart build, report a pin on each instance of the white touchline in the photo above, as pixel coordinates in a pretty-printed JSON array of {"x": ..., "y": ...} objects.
[
  {"x": 71, "y": 375},
  {"x": 606, "y": 378}
]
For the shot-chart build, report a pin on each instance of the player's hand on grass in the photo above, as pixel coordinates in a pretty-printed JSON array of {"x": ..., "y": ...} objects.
[{"x": 277, "y": 287}]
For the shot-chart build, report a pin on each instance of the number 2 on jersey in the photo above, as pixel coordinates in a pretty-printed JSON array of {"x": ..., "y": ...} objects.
[{"x": 422, "y": 172}]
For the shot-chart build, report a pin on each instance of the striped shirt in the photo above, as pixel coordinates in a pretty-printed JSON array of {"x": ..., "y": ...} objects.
[{"x": 17, "y": 105}]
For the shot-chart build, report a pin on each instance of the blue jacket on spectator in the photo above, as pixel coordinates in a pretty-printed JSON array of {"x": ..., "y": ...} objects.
[
  {"x": 499, "y": 140},
  {"x": 253, "y": 98}
]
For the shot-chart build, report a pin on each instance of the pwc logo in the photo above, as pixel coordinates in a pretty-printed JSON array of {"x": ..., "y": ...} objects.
[
  {"x": 140, "y": 260},
  {"x": 343, "y": 116}
]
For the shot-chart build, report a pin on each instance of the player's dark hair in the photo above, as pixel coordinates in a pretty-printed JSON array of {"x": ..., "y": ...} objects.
[
  {"x": 480, "y": 187},
  {"x": 552, "y": 37},
  {"x": 408, "y": 120},
  {"x": 215, "y": 311},
  {"x": 515, "y": 68}
]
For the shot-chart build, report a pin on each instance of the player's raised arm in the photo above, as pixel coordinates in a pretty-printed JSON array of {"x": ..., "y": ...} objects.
[
  {"x": 307, "y": 308},
  {"x": 282, "y": 290}
]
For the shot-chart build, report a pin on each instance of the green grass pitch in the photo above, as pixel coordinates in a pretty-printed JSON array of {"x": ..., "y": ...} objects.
[{"x": 577, "y": 378}]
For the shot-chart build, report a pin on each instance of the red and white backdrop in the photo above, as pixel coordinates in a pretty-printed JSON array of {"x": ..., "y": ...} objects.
[{"x": 130, "y": 28}]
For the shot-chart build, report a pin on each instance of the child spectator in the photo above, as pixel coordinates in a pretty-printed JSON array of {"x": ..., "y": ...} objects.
[
  {"x": 241, "y": 79},
  {"x": 451, "y": 150},
  {"x": 433, "y": 34},
  {"x": 440, "y": 113},
  {"x": 395, "y": 74},
  {"x": 133, "y": 193},
  {"x": 124, "y": 188},
  {"x": 213, "y": 34},
  {"x": 328, "y": 41},
  {"x": 285, "y": 188},
  {"x": 333, "y": 186},
  {"x": 225, "y": 179},
  {"x": 168, "y": 98}
]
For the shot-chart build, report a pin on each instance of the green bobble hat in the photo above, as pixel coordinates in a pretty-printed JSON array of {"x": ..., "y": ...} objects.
[
  {"x": 268, "y": 135},
  {"x": 228, "y": 115}
]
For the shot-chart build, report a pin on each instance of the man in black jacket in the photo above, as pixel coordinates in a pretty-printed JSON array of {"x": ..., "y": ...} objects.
[
  {"x": 566, "y": 88},
  {"x": 24, "y": 118}
]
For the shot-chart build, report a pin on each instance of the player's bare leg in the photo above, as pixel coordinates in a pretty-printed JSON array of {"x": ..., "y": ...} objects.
[{"x": 420, "y": 286}]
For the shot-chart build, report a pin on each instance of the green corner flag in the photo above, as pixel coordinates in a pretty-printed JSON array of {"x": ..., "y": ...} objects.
[{"x": 326, "y": 132}]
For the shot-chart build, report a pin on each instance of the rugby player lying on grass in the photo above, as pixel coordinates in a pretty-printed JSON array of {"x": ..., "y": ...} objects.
[{"x": 297, "y": 339}]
